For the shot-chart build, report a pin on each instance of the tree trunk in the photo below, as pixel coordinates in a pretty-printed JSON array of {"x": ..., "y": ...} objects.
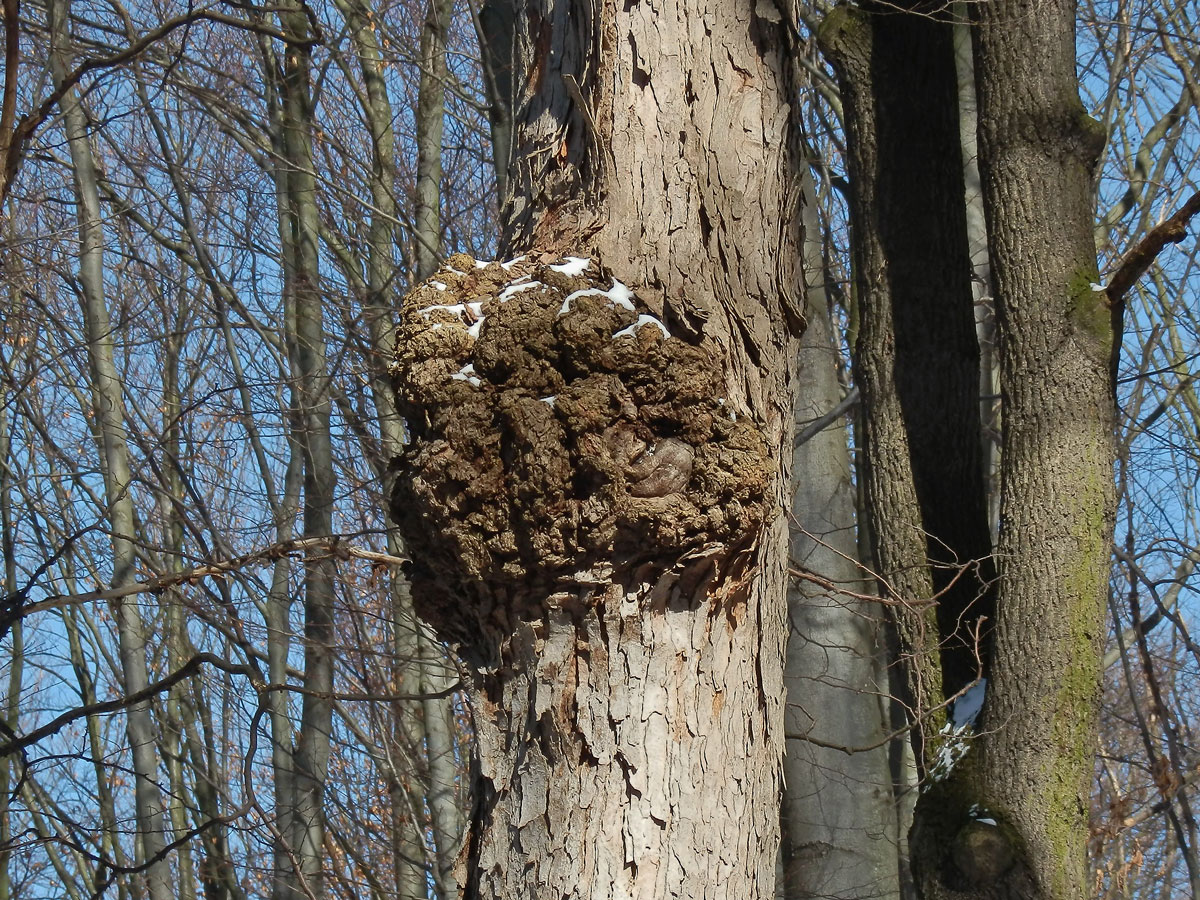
[
  {"x": 431, "y": 106},
  {"x": 981, "y": 272},
  {"x": 109, "y": 408},
  {"x": 596, "y": 518},
  {"x": 304, "y": 837},
  {"x": 916, "y": 357},
  {"x": 406, "y": 800},
  {"x": 1011, "y": 821},
  {"x": 839, "y": 832},
  {"x": 11, "y": 697}
]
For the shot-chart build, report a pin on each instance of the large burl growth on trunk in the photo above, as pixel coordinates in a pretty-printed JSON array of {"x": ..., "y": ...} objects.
[{"x": 560, "y": 435}]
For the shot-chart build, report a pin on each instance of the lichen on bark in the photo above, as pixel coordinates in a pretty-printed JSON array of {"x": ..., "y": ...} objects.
[{"x": 559, "y": 435}]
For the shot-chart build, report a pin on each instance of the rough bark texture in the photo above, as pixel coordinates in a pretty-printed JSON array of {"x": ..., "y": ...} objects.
[
  {"x": 1031, "y": 766},
  {"x": 839, "y": 833},
  {"x": 596, "y": 506},
  {"x": 916, "y": 357}
]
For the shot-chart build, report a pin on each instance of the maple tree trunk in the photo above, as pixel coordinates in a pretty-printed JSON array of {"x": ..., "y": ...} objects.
[{"x": 596, "y": 521}]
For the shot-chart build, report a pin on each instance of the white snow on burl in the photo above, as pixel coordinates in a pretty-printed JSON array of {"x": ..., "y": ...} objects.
[
  {"x": 643, "y": 320},
  {"x": 618, "y": 295},
  {"x": 575, "y": 265},
  {"x": 472, "y": 317},
  {"x": 516, "y": 287},
  {"x": 467, "y": 374},
  {"x": 455, "y": 309}
]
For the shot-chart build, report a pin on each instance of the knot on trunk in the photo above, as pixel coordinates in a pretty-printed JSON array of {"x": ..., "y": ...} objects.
[
  {"x": 982, "y": 852},
  {"x": 559, "y": 434}
]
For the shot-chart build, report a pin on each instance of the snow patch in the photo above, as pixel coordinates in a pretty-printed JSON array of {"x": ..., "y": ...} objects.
[
  {"x": 467, "y": 374},
  {"x": 516, "y": 287},
  {"x": 549, "y": 401},
  {"x": 643, "y": 320},
  {"x": 575, "y": 265},
  {"x": 1099, "y": 288},
  {"x": 437, "y": 285},
  {"x": 618, "y": 295},
  {"x": 512, "y": 262},
  {"x": 475, "y": 307},
  {"x": 958, "y": 731}
]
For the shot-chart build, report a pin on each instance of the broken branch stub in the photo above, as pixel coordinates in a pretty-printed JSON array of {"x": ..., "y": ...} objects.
[{"x": 559, "y": 437}]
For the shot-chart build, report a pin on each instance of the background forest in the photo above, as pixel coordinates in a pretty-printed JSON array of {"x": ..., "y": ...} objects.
[{"x": 212, "y": 680}]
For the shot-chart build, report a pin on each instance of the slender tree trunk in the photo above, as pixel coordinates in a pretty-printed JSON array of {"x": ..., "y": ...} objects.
[
  {"x": 296, "y": 181},
  {"x": 109, "y": 407},
  {"x": 1029, "y": 771},
  {"x": 981, "y": 270},
  {"x": 16, "y": 665},
  {"x": 916, "y": 357},
  {"x": 495, "y": 27},
  {"x": 612, "y": 561},
  {"x": 442, "y": 794},
  {"x": 431, "y": 106},
  {"x": 419, "y": 661},
  {"x": 839, "y": 837},
  {"x": 177, "y": 707}
]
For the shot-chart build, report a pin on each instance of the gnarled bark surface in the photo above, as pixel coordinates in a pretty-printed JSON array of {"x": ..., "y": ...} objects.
[{"x": 595, "y": 490}]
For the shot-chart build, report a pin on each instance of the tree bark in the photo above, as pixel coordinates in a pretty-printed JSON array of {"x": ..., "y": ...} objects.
[
  {"x": 610, "y": 550},
  {"x": 916, "y": 356},
  {"x": 1031, "y": 766},
  {"x": 839, "y": 818}
]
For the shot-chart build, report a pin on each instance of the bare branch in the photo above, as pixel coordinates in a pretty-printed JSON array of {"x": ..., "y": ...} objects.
[{"x": 1135, "y": 263}]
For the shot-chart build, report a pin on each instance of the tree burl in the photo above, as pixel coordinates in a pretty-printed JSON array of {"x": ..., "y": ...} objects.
[{"x": 559, "y": 435}]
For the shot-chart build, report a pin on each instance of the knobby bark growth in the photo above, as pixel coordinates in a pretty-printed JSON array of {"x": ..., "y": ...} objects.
[{"x": 595, "y": 488}]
